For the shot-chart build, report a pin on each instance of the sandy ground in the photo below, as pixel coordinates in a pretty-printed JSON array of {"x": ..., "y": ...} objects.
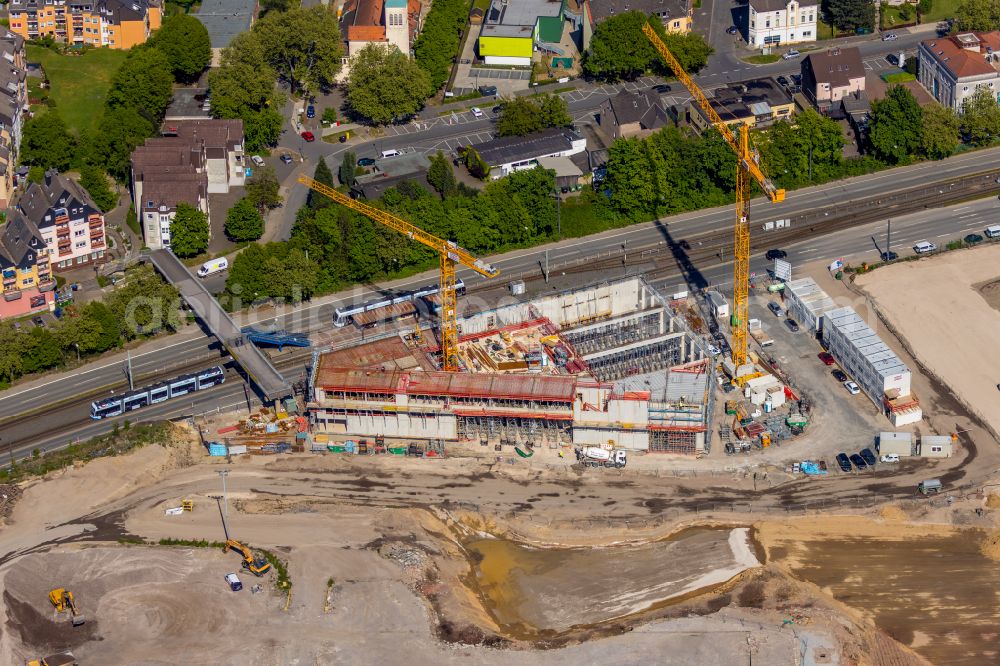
[{"x": 936, "y": 307}]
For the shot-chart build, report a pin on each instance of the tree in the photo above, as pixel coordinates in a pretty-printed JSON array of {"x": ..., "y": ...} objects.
[
  {"x": 79, "y": 333},
  {"x": 11, "y": 353},
  {"x": 619, "y": 49},
  {"x": 243, "y": 87},
  {"x": 110, "y": 333},
  {"x": 524, "y": 115},
  {"x": 441, "y": 176},
  {"x": 385, "y": 84},
  {"x": 555, "y": 111},
  {"x": 143, "y": 82},
  {"x": 348, "y": 168},
  {"x": 896, "y": 125},
  {"x": 275, "y": 6},
  {"x": 822, "y": 138},
  {"x": 978, "y": 15},
  {"x": 323, "y": 175},
  {"x": 120, "y": 131},
  {"x": 244, "y": 222},
  {"x": 849, "y": 15},
  {"x": 184, "y": 40},
  {"x": 47, "y": 143},
  {"x": 262, "y": 189},
  {"x": 302, "y": 45},
  {"x": 474, "y": 162},
  {"x": 188, "y": 231},
  {"x": 938, "y": 131},
  {"x": 437, "y": 44},
  {"x": 981, "y": 116},
  {"x": 95, "y": 181},
  {"x": 42, "y": 351}
]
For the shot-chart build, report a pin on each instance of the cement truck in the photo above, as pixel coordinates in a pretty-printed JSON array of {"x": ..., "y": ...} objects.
[{"x": 593, "y": 456}]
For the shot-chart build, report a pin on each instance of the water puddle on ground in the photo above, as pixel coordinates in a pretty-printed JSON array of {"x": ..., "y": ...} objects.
[
  {"x": 934, "y": 592},
  {"x": 532, "y": 591}
]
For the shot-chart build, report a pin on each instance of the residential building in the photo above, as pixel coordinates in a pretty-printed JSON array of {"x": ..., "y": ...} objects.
[
  {"x": 756, "y": 103},
  {"x": 953, "y": 68},
  {"x": 387, "y": 22},
  {"x": 192, "y": 159},
  {"x": 630, "y": 114},
  {"x": 24, "y": 265},
  {"x": 13, "y": 105},
  {"x": 116, "y": 24},
  {"x": 832, "y": 75},
  {"x": 513, "y": 28},
  {"x": 871, "y": 364},
  {"x": 68, "y": 220},
  {"x": 676, "y": 15},
  {"x": 777, "y": 22},
  {"x": 508, "y": 154}
]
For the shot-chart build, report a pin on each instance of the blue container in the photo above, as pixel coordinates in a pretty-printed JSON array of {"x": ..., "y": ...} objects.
[{"x": 216, "y": 449}]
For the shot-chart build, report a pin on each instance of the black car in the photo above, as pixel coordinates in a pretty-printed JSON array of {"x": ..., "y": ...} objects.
[
  {"x": 839, "y": 375},
  {"x": 889, "y": 256},
  {"x": 972, "y": 239},
  {"x": 797, "y": 79},
  {"x": 497, "y": 109},
  {"x": 782, "y": 81},
  {"x": 662, "y": 88},
  {"x": 844, "y": 462},
  {"x": 366, "y": 162},
  {"x": 775, "y": 254},
  {"x": 868, "y": 456},
  {"x": 732, "y": 30},
  {"x": 488, "y": 91},
  {"x": 792, "y": 325},
  {"x": 858, "y": 461}
]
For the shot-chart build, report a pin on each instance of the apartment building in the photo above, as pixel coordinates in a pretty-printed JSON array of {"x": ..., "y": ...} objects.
[
  {"x": 192, "y": 159},
  {"x": 116, "y": 24},
  {"x": 776, "y": 22},
  {"x": 24, "y": 266},
  {"x": 953, "y": 68},
  {"x": 13, "y": 104},
  {"x": 833, "y": 75},
  {"x": 70, "y": 224}
]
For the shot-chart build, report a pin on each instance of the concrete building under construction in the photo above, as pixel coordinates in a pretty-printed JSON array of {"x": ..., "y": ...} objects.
[{"x": 607, "y": 364}]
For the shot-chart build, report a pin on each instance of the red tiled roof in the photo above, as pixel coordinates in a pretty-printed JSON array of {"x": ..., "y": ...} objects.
[
  {"x": 963, "y": 62},
  {"x": 365, "y": 33},
  {"x": 550, "y": 388}
]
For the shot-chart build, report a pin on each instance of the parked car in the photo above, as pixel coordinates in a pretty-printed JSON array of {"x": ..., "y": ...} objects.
[
  {"x": 791, "y": 55},
  {"x": 309, "y": 137},
  {"x": 839, "y": 375},
  {"x": 286, "y": 158},
  {"x": 662, "y": 88},
  {"x": 868, "y": 456},
  {"x": 310, "y": 111},
  {"x": 792, "y": 325},
  {"x": 852, "y": 388},
  {"x": 827, "y": 358},
  {"x": 858, "y": 461},
  {"x": 477, "y": 112},
  {"x": 924, "y": 247},
  {"x": 782, "y": 81},
  {"x": 889, "y": 256},
  {"x": 775, "y": 253},
  {"x": 844, "y": 462},
  {"x": 234, "y": 582},
  {"x": 889, "y": 37},
  {"x": 487, "y": 91},
  {"x": 890, "y": 458},
  {"x": 732, "y": 30},
  {"x": 797, "y": 79},
  {"x": 38, "y": 321},
  {"x": 972, "y": 239},
  {"x": 497, "y": 109},
  {"x": 775, "y": 308},
  {"x": 713, "y": 350},
  {"x": 257, "y": 160}
]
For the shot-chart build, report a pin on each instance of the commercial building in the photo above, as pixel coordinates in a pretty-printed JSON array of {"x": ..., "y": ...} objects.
[
  {"x": 609, "y": 364},
  {"x": 115, "y": 24},
  {"x": 630, "y": 114},
  {"x": 953, "y": 68},
  {"x": 508, "y": 154},
  {"x": 192, "y": 159},
  {"x": 778, "y": 22},
  {"x": 13, "y": 105},
  {"x": 390, "y": 171},
  {"x": 67, "y": 219},
  {"x": 833, "y": 75},
  {"x": 512, "y": 28},
  {"x": 756, "y": 103},
  {"x": 807, "y": 303},
  {"x": 871, "y": 364}
]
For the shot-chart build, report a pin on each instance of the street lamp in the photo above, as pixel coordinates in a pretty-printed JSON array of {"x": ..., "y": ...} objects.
[{"x": 223, "y": 473}]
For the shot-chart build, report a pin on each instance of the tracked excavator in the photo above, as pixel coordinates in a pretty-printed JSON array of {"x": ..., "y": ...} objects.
[
  {"x": 62, "y": 599},
  {"x": 255, "y": 564}
]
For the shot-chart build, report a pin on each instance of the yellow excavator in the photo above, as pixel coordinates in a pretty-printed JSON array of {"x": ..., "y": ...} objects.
[
  {"x": 255, "y": 564},
  {"x": 63, "y": 659},
  {"x": 62, "y": 599}
]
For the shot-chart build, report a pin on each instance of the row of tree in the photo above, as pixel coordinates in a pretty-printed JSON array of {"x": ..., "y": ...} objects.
[
  {"x": 142, "y": 306},
  {"x": 620, "y": 51}
]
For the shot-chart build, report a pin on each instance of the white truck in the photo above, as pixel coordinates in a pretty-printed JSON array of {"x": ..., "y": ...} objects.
[{"x": 593, "y": 456}]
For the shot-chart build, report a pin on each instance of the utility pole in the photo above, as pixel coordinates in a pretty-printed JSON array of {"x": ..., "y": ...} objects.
[
  {"x": 546, "y": 266},
  {"x": 246, "y": 393},
  {"x": 559, "y": 215},
  {"x": 223, "y": 473},
  {"x": 888, "y": 238},
  {"x": 128, "y": 370}
]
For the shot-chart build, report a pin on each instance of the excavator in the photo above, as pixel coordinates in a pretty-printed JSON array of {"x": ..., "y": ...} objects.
[
  {"x": 62, "y": 599},
  {"x": 62, "y": 659},
  {"x": 255, "y": 564}
]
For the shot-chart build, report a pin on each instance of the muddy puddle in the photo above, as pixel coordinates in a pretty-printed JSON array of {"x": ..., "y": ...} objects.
[
  {"x": 936, "y": 593},
  {"x": 532, "y": 591}
]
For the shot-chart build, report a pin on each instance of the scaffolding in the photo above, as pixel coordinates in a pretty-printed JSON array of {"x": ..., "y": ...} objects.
[
  {"x": 514, "y": 429},
  {"x": 638, "y": 360},
  {"x": 617, "y": 333}
]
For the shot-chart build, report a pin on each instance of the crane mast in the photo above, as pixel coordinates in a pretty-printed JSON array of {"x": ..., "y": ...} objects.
[
  {"x": 449, "y": 253},
  {"x": 747, "y": 170}
]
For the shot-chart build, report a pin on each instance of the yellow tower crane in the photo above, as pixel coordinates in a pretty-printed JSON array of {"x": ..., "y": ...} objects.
[
  {"x": 748, "y": 166},
  {"x": 449, "y": 253}
]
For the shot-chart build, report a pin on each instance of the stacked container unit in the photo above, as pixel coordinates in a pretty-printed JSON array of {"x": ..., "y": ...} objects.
[
  {"x": 807, "y": 303},
  {"x": 864, "y": 356}
]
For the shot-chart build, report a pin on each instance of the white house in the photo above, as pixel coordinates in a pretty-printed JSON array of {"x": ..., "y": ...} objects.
[
  {"x": 953, "y": 68},
  {"x": 774, "y": 22}
]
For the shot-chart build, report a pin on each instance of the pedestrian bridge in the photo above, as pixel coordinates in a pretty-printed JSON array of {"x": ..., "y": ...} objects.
[{"x": 253, "y": 361}]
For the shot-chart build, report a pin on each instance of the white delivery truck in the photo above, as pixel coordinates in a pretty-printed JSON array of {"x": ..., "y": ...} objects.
[{"x": 213, "y": 266}]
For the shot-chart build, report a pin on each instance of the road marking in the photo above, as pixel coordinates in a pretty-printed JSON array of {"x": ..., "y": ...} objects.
[
  {"x": 959, "y": 210},
  {"x": 944, "y": 235},
  {"x": 965, "y": 217},
  {"x": 812, "y": 249}
]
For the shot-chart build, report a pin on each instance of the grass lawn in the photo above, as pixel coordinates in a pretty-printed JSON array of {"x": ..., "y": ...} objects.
[
  {"x": 79, "y": 83},
  {"x": 940, "y": 10},
  {"x": 484, "y": 5},
  {"x": 890, "y": 18},
  {"x": 824, "y": 30},
  {"x": 762, "y": 59}
]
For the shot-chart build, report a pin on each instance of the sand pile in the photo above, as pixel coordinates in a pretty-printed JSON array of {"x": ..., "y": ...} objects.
[
  {"x": 991, "y": 545},
  {"x": 993, "y": 501},
  {"x": 892, "y": 513}
]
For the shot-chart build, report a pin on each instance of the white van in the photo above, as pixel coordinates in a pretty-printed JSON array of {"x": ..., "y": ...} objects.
[
  {"x": 993, "y": 231},
  {"x": 213, "y": 266},
  {"x": 923, "y": 247},
  {"x": 392, "y": 152}
]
